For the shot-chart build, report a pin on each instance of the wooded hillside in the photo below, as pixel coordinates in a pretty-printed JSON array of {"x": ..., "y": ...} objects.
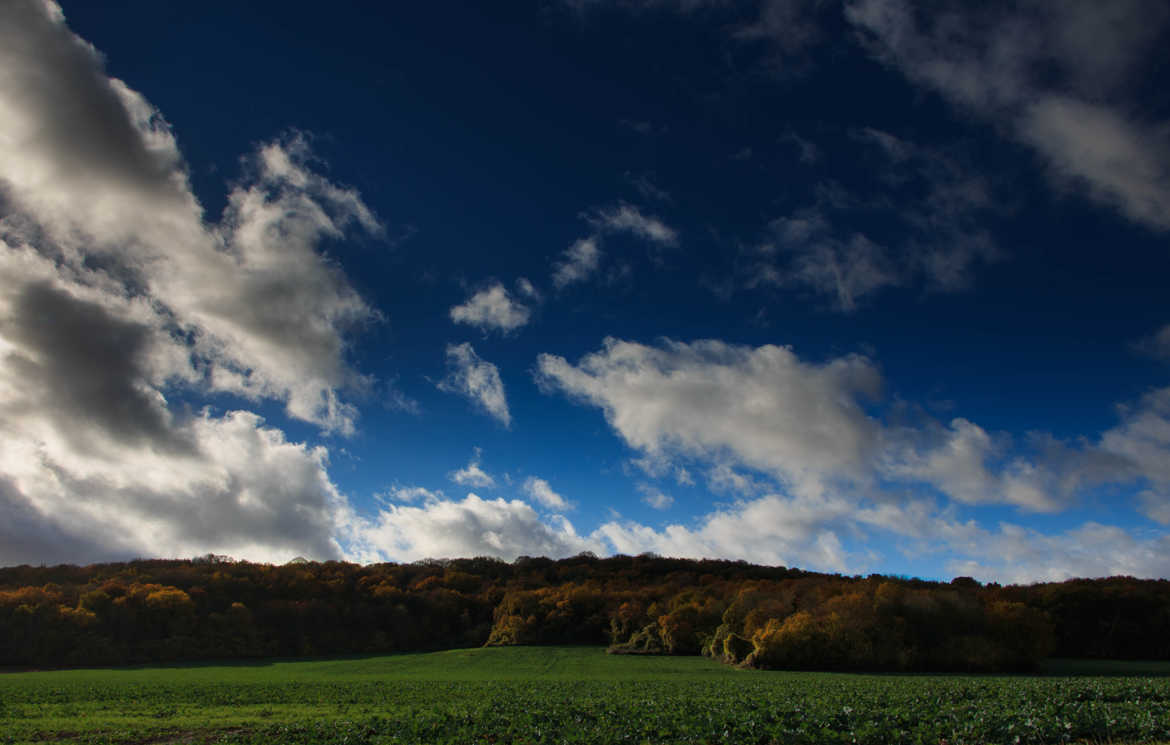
[{"x": 770, "y": 617}]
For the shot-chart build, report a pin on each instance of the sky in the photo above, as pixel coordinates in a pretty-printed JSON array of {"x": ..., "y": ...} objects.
[{"x": 853, "y": 286}]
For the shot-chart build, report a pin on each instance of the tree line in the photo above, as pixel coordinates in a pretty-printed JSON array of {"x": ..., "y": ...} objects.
[{"x": 742, "y": 614}]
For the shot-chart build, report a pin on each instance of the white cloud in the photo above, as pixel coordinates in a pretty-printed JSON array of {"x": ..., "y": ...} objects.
[
  {"x": 470, "y": 527},
  {"x": 93, "y": 175},
  {"x": 959, "y": 465},
  {"x": 1017, "y": 554},
  {"x": 815, "y": 534},
  {"x": 410, "y": 494},
  {"x": 1142, "y": 442},
  {"x": 722, "y": 478},
  {"x": 846, "y": 268},
  {"x": 115, "y": 292},
  {"x": 492, "y": 308},
  {"x": 763, "y": 407},
  {"x": 581, "y": 261},
  {"x": 806, "y": 426},
  {"x": 473, "y": 474},
  {"x": 770, "y": 530},
  {"x": 478, "y": 380},
  {"x": 1055, "y": 77},
  {"x": 397, "y": 400},
  {"x": 540, "y": 490},
  {"x": 240, "y": 489},
  {"x": 655, "y": 498},
  {"x": 527, "y": 289},
  {"x": 626, "y": 218}
]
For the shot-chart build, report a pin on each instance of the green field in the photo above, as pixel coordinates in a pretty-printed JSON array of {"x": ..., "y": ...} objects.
[{"x": 573, "y": 695}]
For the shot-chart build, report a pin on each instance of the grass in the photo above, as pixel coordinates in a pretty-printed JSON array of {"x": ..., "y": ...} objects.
[{"x": 574, "y": 695}]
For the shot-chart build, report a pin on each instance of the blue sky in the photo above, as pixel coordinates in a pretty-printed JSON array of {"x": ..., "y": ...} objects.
[{"x": 852, "y": 286}]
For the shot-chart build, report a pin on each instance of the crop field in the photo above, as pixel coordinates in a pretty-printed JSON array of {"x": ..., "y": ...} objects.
[{"x": 573, "y": 695}]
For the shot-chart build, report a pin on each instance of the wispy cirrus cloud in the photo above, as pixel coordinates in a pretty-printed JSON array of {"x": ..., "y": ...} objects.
[
  {"x": 582, "y": 260},
  {"x": 941, "y": 239},
  {"x": 626, "y": 218},
  {"x": 655, "y": 497},
  {"x": 477, "y": 380},
  {"x": 579, "y": 262},
  {"x": 1056, "y": 78}
]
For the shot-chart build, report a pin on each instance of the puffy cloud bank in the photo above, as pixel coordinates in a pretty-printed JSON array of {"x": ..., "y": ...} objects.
[
  {"x": 117, "y": 296},
  {"x": 839, "y": 469}
]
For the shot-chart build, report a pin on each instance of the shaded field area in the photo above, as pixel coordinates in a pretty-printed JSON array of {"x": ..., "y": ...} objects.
[{"x": 576, "y": 695}]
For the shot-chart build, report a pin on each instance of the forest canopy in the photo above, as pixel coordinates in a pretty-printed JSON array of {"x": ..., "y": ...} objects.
[{"x": 757, "y": 616}]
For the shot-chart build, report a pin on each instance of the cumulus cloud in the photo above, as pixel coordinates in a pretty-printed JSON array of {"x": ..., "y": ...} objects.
[
  {"x": 803, "y": 423},
  {"x": 1142, "y": 442},
  {"x": 722, "y": 478},
  {"x": 116, "y": 292},
  {"x": 470, "y": 527},
  {"x": 243, "y": 490},
  {"x": 845, "y": 476},
  {"x": 748, "y": 411},
  {"x": 1013, "y": 553},
  {"x": 833, "y": 534},
  {"x": 492, "y": 308},
  {"x": 770, "y": 530},
  {"x": 1059, "y": 79},
  {"x": 476, "y": 379},
  {"x": 626, "y": 218},
  {"x": 960, "y": 465},
  {"x": 540, "y": 490},
  {"x": 93, "y": 176},
  {"x": 579, "y": 262},
  {"x": 473, "y": 474},
  {"x": 829, "y": 531}
]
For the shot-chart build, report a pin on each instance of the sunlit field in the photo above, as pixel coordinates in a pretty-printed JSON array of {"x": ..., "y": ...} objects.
[{"x": 575, "y": 695}]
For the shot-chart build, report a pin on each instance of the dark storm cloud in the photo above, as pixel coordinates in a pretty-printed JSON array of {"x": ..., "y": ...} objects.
[
  {"x": 84, "y": 368},
  {"x": 29, "y": 537},
  {"x": 59, "y": 81}
]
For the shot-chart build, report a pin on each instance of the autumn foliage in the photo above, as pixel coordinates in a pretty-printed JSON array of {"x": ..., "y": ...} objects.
[{"x": 742, "y": 614}]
